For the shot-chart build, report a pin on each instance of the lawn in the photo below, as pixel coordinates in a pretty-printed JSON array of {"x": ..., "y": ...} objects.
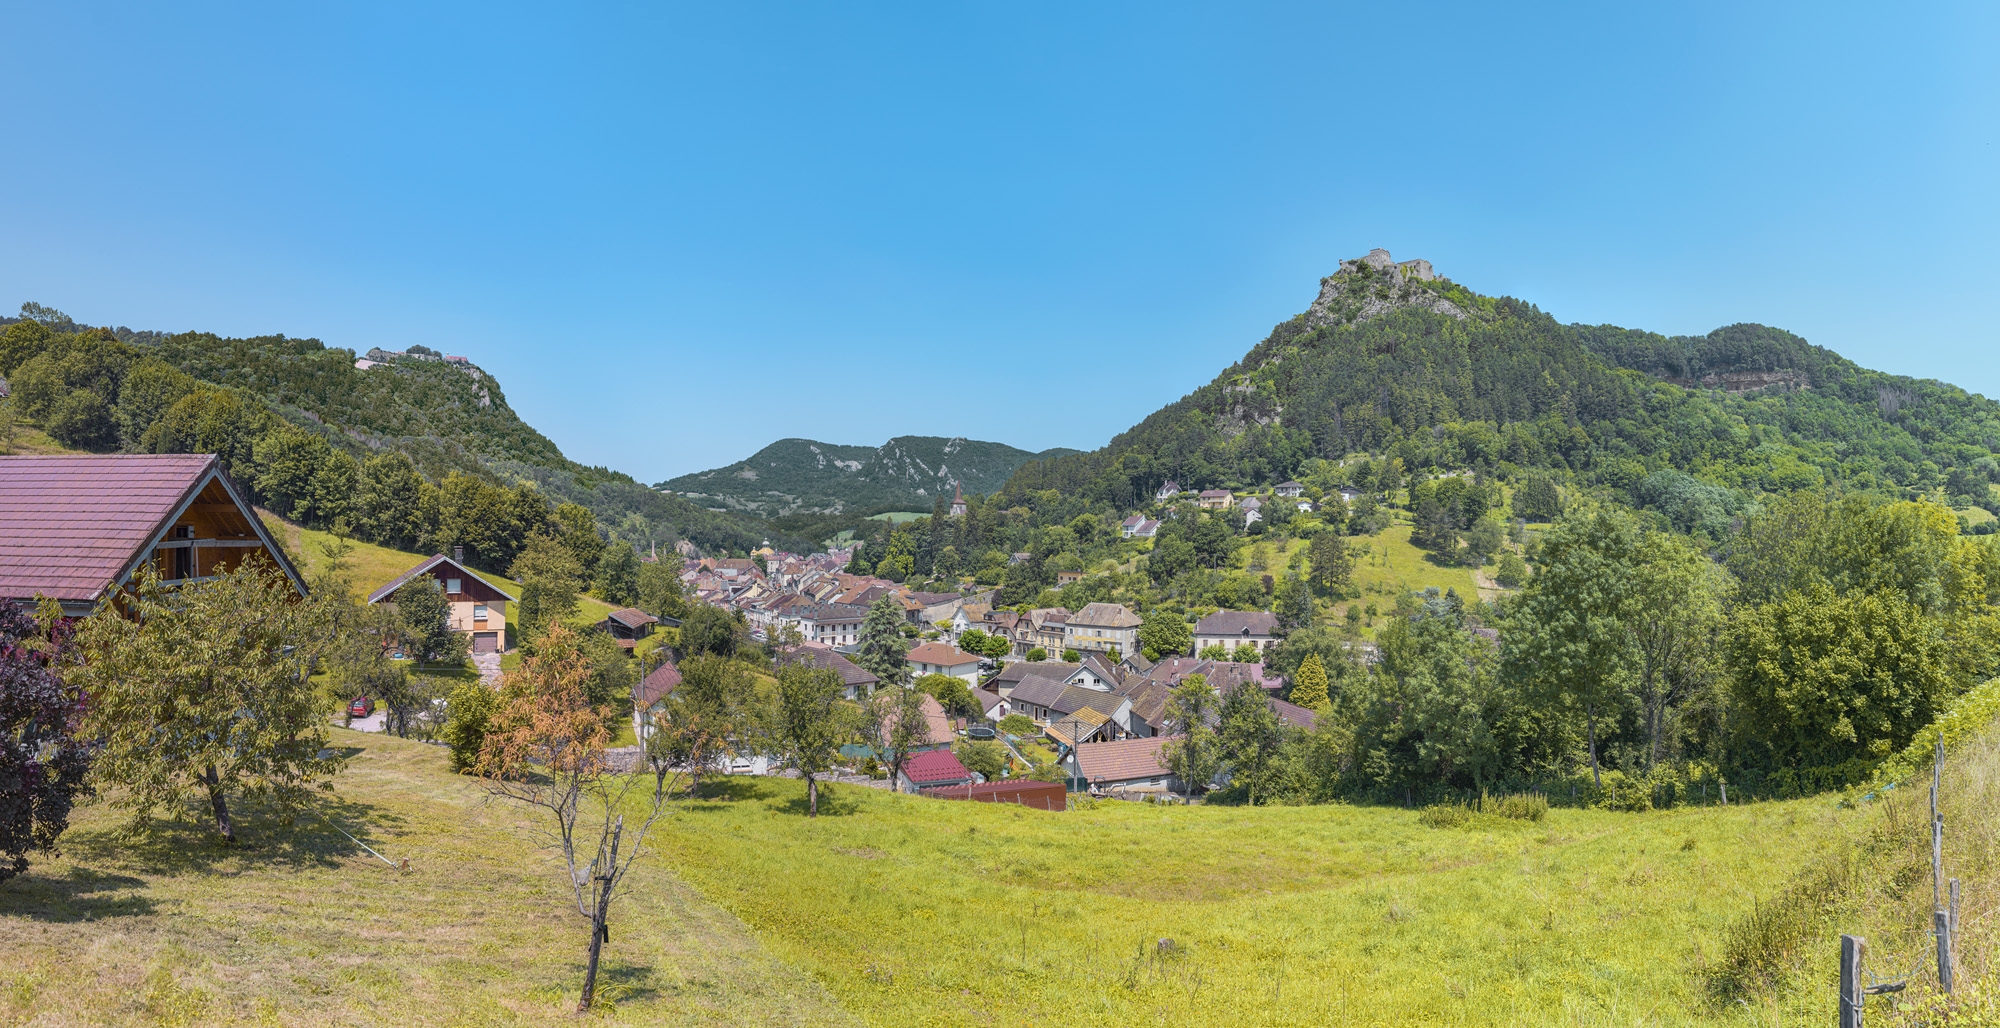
[{"x": 301, "y": 927}]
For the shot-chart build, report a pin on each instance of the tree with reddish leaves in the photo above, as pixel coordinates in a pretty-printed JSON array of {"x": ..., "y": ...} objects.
[{"x": 42, "y": 761}]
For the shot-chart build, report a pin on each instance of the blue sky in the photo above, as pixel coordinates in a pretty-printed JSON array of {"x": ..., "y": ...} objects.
[{"x": 678, "y": 233}]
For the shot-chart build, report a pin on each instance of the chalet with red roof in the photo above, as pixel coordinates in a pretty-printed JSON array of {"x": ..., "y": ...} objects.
[
  {"x": 932, "y": 769},
  {"x": 78, "y": 528}
]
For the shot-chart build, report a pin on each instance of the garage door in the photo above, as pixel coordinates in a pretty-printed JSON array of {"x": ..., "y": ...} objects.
[{"x": 486, "y": 642}]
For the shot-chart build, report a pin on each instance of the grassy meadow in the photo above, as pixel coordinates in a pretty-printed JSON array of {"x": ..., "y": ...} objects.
[
  {"x": 301, "y": 927},
  {"x": 893, "y": 910}
]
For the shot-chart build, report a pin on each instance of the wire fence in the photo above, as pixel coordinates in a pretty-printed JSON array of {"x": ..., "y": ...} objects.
[{"x": 1858, "y": 980}]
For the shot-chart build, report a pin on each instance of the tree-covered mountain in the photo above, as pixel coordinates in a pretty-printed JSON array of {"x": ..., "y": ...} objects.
[
  {"x": 113, "y": 388},
  {"x": 793, "y": 476},
  {"x": 1393, "y": 360}
]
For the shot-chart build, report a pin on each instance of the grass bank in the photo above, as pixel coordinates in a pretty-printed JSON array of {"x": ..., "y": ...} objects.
[{"x": 302, "y": 927}]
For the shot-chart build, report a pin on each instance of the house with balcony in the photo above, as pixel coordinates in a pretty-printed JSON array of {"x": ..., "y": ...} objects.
[
  {"x": 478, "y": 608},
  {"x": 79, "y": 528}
]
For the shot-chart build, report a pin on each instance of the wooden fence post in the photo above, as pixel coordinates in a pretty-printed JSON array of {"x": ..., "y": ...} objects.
[
  {"x": 1851, "y": 949},
  {"x": 1941, "y": 923},
  {"x": 1954, "y": 907}
]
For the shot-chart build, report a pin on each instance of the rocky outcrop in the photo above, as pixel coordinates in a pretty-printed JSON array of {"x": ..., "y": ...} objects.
[
  {"x": 1745, "y": 381},
  {"x": 1369, "y": 287}
]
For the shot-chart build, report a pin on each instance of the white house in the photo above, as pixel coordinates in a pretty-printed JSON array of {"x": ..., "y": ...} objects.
[
  {"x": 1233, "y": 628},
  {"x": 936, "y": 658}
]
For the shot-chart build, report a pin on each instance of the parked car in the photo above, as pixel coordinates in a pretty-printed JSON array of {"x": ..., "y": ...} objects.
[
  {"x": 361, "y": 707},
  {"x": 979, "y": 732}
]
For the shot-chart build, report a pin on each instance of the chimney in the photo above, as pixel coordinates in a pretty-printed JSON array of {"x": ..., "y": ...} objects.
[{"x": 458, "y": 554}]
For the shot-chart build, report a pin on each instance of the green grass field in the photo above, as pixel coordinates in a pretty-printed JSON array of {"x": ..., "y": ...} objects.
[
  {"x": 894, "y": 910},
  {"x": 301, "y": 927}
]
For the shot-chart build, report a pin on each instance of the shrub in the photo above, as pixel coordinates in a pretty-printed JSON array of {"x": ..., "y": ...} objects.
[
  {"x": 1444, "y": 815},
  {"x": 986, "y": 758},
  {"x": 1622, "y": 793},
  {"x": 1037, "y": 654},
  {"x": 1526, "y": 806},
  {"x": 1018, "y": 725}
]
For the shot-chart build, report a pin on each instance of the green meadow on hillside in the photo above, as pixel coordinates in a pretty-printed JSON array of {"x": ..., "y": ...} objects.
[{"x": 375, "y": 566}]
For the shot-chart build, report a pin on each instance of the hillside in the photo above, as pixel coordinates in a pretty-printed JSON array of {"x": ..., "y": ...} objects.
[
  {"x": 745, "y": 912},
  {"x": 1393, "y": 359},
  {"x": 299, "y": 926},
  {"x": 446, "y": 415},
  {"x": 795, "y": 476}
]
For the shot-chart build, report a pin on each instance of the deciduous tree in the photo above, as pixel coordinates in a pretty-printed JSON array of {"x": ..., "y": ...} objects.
[
  {"x": 805, "y": 721},
  {"x": 206, "y": 690}
]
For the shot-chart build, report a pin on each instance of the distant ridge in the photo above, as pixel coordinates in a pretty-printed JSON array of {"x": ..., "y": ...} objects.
[{"x": 908, "y": 472}]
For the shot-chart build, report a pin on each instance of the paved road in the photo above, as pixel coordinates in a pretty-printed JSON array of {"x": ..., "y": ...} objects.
[{"x": 371, "y": 723}]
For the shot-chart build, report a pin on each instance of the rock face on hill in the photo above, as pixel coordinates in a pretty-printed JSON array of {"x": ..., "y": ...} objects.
[
  {"x": 1369, "y": 287},
  {"x": 807, "y": 476}
]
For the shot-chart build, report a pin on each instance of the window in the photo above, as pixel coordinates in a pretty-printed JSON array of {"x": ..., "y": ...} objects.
[
  {"x": 479, "y": 612},
  {"x": 451, "y": 585}
]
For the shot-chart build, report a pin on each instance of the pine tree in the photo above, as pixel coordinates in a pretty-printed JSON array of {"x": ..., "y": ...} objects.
[{"x": 1309, "y": 683}]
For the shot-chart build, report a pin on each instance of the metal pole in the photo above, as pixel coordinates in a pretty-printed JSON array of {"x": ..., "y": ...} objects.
[{"x": 1851, "y": 949}]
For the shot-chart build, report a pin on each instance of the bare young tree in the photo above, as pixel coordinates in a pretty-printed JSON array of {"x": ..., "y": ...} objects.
[
  {"x": 545, "y": 749},
  {"x": 893, "y": 723}
]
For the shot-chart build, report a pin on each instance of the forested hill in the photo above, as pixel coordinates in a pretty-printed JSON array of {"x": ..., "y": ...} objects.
[
  {"x": 1393, "y": 360},
  {"x": 806, "y": 476},
  {"x": 116, "y": 389}
]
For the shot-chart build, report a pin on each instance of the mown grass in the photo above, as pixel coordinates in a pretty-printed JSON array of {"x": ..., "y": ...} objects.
[
  {"x": 912, "y": 911},
  {"x": 301, "y": 927}
]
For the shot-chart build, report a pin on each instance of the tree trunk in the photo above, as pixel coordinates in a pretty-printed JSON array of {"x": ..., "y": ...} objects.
[
  {"x": 812, "y": 796},
  {"x": 221, "y": 806},
  {"x": 598, "y": 929},
  {"x": 1596, "y": 776}
]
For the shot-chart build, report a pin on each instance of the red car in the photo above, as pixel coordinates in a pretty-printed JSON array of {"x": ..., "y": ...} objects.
[{"x": 361, "y": 707}]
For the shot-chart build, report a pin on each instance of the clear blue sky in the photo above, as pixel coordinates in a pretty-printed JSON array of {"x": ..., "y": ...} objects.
[{"x": 676, "y": 234}]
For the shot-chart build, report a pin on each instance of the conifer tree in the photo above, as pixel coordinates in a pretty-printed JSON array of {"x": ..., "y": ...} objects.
[
  {"x": 882, "y": 650},
  {"x": 1309, "y": 683}
]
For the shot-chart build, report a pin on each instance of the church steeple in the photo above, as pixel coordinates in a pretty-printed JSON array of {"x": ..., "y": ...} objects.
[{"x": 957, "y": 501}]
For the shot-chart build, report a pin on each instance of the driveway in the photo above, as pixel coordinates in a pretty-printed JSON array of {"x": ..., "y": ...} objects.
[
  {"x": 371, "y": 723},
  {"x": 489, "y": 669}
]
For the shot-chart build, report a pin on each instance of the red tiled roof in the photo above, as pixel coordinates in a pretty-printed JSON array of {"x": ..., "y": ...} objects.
[
  {"x": 1123, "y": 760},
  {"x": 935, "y": 766},
  {"x": 71, "y": 525}
]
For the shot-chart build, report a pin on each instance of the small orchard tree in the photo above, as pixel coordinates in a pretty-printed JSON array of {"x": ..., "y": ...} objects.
[
  {"x": 206, "y": 690},
  {"x": 426, "y": 617},
  {"x": 42, "y": 758},
  {"x": 893, "y": 722},
  {"x": 700, "y": 722},
  {"x": 545, "y": 749},
  {"x": 805, "y": 721}
]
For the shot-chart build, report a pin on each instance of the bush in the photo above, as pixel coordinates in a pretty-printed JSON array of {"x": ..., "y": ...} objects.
[
  {"x": 468, "y": 709},
  {"x": 1444, "y": 815},
  {"x": 1622, "y": 793},
  {"x": 1020, "y": 726},
  {"x": 986, "y": 758},
  {"x": 1526, "y": 806},
  {"x": 1037, "y": 654}
]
